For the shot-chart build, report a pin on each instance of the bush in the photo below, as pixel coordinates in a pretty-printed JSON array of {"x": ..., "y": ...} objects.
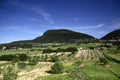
[
  {"x": 33, "y": 60},
  {"x": 60, "y": 50},
  {"x": 103, "y": 60},
  {"x": 10, "y": 74},
  {"x": 71, "y": 49},
  {"x": 78, "y": 74},
  {"x": 91, "y": 47},
  {"x": 0, "y": 70},
  {"x": 57, "y": 68},
  {"x": 15, "y": 60},
  {"x": 10, "y": 57},
  {"x": 48, "y": 50},
  {"x": 77, "y": 63},
  {"x": 23, "y": 57},
  {"x": 22, "y": 65},
  {"x": 54, "y": 58}
]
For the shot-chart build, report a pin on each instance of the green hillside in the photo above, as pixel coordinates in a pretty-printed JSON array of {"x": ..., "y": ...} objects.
[
  {"x": 114, "y": 35},
  {"x": 62, "y": 35}
]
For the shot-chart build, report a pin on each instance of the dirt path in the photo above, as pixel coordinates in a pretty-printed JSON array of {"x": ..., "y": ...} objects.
[
  {"x": 37, "y": 72},
  {"x": 79, "y": 53}
]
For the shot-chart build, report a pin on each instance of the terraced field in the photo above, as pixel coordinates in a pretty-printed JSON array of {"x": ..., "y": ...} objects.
[
  {"x": 87, "y": 60},
  {"x": 88, "y": 54}
]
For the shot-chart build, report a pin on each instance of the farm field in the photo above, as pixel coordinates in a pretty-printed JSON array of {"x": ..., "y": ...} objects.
[{"x": 89, "y": 62}]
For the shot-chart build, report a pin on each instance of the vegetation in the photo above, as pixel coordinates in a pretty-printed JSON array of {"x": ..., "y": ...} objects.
[
  {"x": 11, "y": 57},
  {"x": 10, "y": 73},
  {"x": 69, "y": 49},
  {"x": 51, "y": 36},
  {"x": 74, "y": 61},
  {"x": 33, "y": 60},
  {"x": 103, "y": 60},
  {"x": 22, "y": 64},
  {"x": 112, "y": 35},
  {"x": 77, "y": 63},
  {"x": 78, "y": 74},
  {"x": 54, "y": 58},
  {"x": 15, "y": 45},
  {"x": 57, "y": 68}
]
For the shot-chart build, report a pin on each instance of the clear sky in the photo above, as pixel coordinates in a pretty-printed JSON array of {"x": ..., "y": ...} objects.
[{"x": 28, "y": 19}]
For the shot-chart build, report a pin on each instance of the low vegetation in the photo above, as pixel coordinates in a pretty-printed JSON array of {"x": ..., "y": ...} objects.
[
  {"x": 10, "y": 57},
  {"x": 10, "y": 73},
  {"x": 66, "y": 62},
  {"x": 57, "y": 68},
  {"x": 69, "y": 49}
]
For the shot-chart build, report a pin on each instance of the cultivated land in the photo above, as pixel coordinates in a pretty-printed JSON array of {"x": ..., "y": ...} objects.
[{"x": 91, "y": 61}]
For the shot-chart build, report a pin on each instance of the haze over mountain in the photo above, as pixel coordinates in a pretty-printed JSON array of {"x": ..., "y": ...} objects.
[{"x": 112, "y": 35}]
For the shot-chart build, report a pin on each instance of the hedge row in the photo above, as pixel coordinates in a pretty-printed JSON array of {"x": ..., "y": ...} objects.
[
  {"x": 10, "y": 57},
  {"x": 69, "y": 49}
]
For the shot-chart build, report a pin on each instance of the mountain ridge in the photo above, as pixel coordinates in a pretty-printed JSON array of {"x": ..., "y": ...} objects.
[
  {"x": 113, "y": 35},
  {"x": 61, "y": 35},
  {"x": 58, "y": 35}
]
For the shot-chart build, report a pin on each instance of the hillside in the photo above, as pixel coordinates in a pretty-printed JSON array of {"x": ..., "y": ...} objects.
[
  {"x": 62, "y": 35},
  {"x": 114, "y": 35}
]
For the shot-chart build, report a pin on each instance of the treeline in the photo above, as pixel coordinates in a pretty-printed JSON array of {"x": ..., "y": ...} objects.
[
  {"x": 15, "y": 45},
  {"x": 69, "y": 49},
  {"x": 12, "y": 57}
]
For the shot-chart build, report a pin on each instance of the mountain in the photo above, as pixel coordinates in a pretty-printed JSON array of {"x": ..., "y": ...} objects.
[
  {"x": 114, "y": 35},
  {"x": 51, "y": 36},
  {"x": 62, "y": 35}
]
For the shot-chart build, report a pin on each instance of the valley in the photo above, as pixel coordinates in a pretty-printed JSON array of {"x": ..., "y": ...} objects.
[{"x": 89, "y": 58}]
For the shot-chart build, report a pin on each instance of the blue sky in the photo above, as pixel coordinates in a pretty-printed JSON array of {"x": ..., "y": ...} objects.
[{"x": 28, "y": 19}]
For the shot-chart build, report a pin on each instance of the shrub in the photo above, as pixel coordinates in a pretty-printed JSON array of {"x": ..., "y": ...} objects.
[
  {"x": 103, "y": 60},
  {"x": 15, "y": 60},
  {"x": 23, "y": 57},
  {"x": 60, "y": 50},
  {"x": 9, "y": 57},
  {"x": 0, "y": 70},
  {"x": 10, "y": 74},
  {"x": 71, "y": 49},
  {"x": 91, "y": 47},
  {"x": 78, "y": 74},
  {"x": 33, "y": 60},
  {"x": 54, "y": 58},
  {"x": 57, "y": 68},
  {"x": 22, "y": 65},
  {"x": 45, "y": 57},
  {"x": 47, "y": 50},
  {"x": 77, "y": 63}
]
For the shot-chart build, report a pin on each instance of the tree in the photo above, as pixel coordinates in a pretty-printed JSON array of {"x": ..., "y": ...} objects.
[{"x": 57, "y": 68}]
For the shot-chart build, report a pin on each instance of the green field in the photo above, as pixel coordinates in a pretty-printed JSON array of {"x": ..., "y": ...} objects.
[{"x": 84, "y": 64}]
